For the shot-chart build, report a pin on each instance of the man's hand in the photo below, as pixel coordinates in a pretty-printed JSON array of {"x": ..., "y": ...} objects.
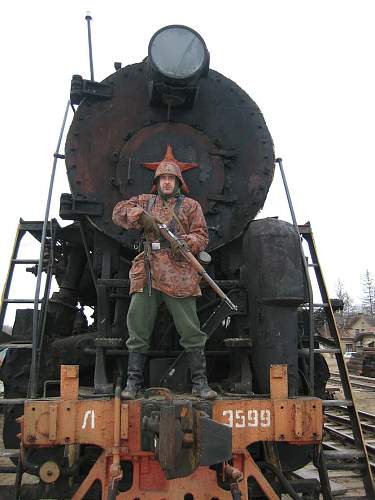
[
  {"x": 176, "y": 245},
  {"x": 149, "y": 224}
]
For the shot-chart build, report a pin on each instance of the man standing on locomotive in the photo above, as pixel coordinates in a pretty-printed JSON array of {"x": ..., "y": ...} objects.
[{"x": 160, "y": 273}]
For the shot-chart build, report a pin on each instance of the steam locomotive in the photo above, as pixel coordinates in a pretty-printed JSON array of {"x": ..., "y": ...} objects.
[{"x": 77, "y": 435}]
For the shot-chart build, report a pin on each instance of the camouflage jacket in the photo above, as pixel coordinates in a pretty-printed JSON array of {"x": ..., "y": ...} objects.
[{"x": 171, "y": 275}]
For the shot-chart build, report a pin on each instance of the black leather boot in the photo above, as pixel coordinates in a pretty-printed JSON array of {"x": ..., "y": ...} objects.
[
  {"x": 134, "y": 382},
  {"x": 197, "y": 364}
]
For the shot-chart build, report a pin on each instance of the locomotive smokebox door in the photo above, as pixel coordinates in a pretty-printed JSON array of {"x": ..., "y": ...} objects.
[{"x": 154, "y": 104}]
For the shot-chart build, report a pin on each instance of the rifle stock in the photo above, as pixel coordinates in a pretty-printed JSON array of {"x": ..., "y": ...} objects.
[{"x": 169, "y": 236}]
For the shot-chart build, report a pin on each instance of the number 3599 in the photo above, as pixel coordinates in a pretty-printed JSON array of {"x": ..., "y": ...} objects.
[{"x": 247, "y": 418}]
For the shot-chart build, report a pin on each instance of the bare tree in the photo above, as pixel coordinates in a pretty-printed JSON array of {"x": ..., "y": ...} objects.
[
  {"x": 368, "y": 293},
  {"x": 347, "y": 301}
]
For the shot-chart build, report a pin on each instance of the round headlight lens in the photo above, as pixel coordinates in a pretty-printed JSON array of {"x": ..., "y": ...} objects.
[{"x": 177, "y": 52}]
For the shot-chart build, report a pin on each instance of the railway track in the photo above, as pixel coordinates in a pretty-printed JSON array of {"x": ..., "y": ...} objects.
[
  {"x": 338, "y": 433},
  {"x": 357, "y": 381},
  {"x": 338, "y": 436}
]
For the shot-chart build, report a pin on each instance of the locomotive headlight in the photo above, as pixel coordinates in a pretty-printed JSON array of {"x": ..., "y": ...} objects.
[
  {"x": 178, "y": 59},
  {"x": 178, "y": 53}
]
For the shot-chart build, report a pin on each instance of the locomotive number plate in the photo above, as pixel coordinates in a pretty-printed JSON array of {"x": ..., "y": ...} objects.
[{"x": 247, "y": 418}]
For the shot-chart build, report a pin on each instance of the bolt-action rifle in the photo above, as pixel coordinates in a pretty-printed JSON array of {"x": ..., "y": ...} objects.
[{"x": 169, "y": 236}]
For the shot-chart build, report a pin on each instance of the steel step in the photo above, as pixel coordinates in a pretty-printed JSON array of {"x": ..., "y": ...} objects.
[
  {"x": 10, "y": 345},
  {"x": 25, "y": 261},
  {"x": 345, "y": 466},
  {"x": 11, "y": 469},
  {"x": 336, "y": 402},
  {"x": 343, "y": 454},
  {"x": 10, "y": 453},
  {"x": 12, "y": 401},
  {"x": 328, "y": 350},
  {"x": 350, "y": 498},
  {"x": 20, "y": 301},
  {"x": 324, "y": 350}
]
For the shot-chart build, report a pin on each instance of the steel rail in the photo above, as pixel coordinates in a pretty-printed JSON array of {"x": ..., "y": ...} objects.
[
  {"x": 356, "y": 377},
  {"x": 354, "y": 383},
  {"x": 346, "y": 421},
  {"x": 347, "y": 438},
  {"x": 331, "y": 447},
  {"x": 364, "y": 414}
]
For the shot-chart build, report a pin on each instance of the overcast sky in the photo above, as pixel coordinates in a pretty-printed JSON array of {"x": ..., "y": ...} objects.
[{"x": 309, "y": 65}]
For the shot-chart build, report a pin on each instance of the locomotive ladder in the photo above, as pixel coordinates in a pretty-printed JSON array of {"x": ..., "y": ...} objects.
[
  {"x": 42, "y": 231},
  {"x": 6, "y": 341},
  {"x": 331, "y": 459},
  {"x": 35, "y": 229}
]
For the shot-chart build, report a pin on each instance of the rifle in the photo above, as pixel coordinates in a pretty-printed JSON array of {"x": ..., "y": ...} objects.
[
  {"x": 169, "y": 236},
  {"x": 146, "y": 257}
]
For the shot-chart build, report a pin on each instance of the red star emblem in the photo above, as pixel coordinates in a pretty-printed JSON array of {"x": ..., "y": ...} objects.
[{"x": 170, "y": 157}]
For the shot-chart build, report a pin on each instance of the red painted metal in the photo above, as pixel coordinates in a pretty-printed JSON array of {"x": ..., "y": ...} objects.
[{"x": 115, "y": 427}]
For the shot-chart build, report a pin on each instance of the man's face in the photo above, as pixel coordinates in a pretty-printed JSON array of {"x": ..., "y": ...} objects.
[{"x": 167, "y": 183}]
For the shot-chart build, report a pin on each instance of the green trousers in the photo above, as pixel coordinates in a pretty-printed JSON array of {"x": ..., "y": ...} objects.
[{"x": 142, "y": 314}]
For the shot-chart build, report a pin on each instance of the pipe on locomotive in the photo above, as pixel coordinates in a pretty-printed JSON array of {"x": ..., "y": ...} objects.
[
  {"x": 33, "y": 382},
  {"x": 308, "y": 281},
  {"x": 34, "y": 369},
  {"x": 89, "y": 19}
]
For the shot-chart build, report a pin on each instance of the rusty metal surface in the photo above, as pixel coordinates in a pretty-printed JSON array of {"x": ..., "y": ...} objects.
[
  {"x": 129, "y": 169},
  {"x": 278, "y": 382},
  {"x": 87, "y": 422},
  {"x": 294, "y": 421},
  {"x": 225, "y": 133},
  {"x": 116, "y": 428},
  {"x": 49, "y": 472},
  {"x": 265, "y": 420}
]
